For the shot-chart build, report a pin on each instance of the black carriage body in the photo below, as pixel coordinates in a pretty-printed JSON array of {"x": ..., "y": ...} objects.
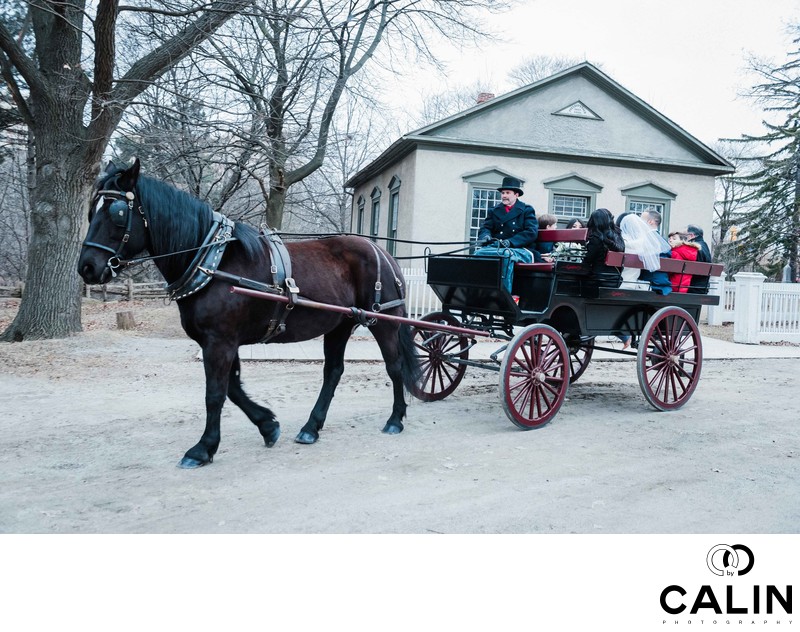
[
  {"x": 552, "y": 320},
  {"x": 559, "y": 295}
]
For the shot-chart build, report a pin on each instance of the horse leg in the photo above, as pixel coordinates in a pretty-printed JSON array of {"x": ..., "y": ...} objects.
[
  {"x": 334, "y": 345},
  {"x": 263, "y": 418},
  {"x": 217, "y": 361},
  {"x": 395, "y": 351}
]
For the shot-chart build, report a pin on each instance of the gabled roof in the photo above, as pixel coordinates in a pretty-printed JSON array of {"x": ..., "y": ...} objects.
[{"x": 472, "y": 130}]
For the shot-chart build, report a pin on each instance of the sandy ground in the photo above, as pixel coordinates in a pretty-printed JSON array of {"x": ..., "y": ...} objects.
[{"x": 94, "y": 426}]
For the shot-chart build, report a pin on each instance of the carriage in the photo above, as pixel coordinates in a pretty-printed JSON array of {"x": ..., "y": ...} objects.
[
  {"x": 235, "y": 285},
  {"x": 550, "y": 324}
]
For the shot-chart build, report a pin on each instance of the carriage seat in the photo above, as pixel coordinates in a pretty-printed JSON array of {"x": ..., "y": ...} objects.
[
  {"x": 698, "y": 269},
  {"x": 577, "y": 235}
]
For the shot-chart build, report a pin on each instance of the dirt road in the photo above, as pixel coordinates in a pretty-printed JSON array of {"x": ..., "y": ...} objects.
[{"x": 94, "y": 427}]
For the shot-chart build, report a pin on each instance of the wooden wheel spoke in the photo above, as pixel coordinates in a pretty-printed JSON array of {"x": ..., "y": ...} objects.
[
  {"x": 439, "y": 375},
  {"x": 534, "y": 376},
  {"x": 452, "y": 344},
  {"x": 670, "y": 358}
]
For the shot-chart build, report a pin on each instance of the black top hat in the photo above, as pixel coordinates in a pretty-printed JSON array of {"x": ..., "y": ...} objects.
[{"x": 511, "y": 184}]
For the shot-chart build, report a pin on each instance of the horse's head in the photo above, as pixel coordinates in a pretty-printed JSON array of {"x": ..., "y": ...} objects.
[{"x": 117, "y": 224}]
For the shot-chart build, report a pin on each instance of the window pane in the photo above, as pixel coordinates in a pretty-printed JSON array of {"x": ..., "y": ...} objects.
[
  {"x": 376, "y": 213},
  {"x": 394, "y": 203},
  {"x": 482, "y": 201},
  {"x": 570, "y": 206},
  {"x": 639, "y": 207}
]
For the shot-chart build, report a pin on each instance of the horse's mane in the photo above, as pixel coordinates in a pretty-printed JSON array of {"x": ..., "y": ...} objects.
[{"x": 180, "y": 221}]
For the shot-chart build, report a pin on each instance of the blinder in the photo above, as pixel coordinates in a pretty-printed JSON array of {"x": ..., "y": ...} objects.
[{"x": 120, "y": 212}]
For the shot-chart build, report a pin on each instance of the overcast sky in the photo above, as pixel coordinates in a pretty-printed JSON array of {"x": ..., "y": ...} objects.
[{"x": 686, "y": 58}]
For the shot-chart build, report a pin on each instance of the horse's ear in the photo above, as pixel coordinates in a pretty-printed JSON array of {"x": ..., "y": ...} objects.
[
  {"x": 110, "y": 167},
  {"x": 129, "y": 176}
]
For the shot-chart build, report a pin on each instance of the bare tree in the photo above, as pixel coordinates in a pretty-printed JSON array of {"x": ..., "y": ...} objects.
[
  {"x": 444, "y": 104},
  {"x": 292, "y": 63},
  {"x": 730, "y": 211},
  {"x": 770, "y": 234},
  {"x": 320, "y": 203},
  {"x": 71, "y": 94},
  {"x": 14, "y": 217},
  {"x": 538, "y": 67}
]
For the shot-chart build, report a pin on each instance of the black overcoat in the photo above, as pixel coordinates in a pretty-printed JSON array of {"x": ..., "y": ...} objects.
[{"x": 519, "y": 226}]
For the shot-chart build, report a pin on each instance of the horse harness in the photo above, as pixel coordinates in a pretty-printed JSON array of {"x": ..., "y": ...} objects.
[
  {"x": 283, "y": 283},
  {"x": 206, "y": 261},
  {"x": 205, "y": 264},
  {"x": 121, "y": 214}
]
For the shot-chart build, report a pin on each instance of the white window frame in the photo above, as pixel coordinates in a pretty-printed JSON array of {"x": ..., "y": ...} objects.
[
  {"x": 360, "y": 215},
  {"x": 375, "y": 214},
  {"x": 640, "y": 197},
  {"x": 575, "y": 186},
  {"x": 394, "y": 212}
]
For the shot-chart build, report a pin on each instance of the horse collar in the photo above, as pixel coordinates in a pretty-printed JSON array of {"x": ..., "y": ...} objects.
[{"x": 206, "y": 261}]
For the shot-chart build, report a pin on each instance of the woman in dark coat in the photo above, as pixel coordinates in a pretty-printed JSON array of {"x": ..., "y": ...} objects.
[{"x": 603, "y": 235}]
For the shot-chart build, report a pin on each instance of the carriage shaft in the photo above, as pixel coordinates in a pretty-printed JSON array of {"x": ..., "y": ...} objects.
[{"x": 355, "y": 311}]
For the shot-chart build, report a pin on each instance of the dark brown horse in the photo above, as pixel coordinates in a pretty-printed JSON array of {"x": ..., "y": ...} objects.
[{"x": 131, "y": 214}]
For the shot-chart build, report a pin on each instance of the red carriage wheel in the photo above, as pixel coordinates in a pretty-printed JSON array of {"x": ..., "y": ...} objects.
[
  {"x": 669, "y": 359},
  {"x": 580, "y": 355},
  {"x": 439, "y": 374},
  {"x": 534, "y": 376}
]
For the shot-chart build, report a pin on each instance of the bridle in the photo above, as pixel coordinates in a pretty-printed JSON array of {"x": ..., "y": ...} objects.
[{"x": 121, "y": 213}]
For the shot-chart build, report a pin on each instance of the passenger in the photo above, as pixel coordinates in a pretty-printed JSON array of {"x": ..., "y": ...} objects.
[
  {"x": 643, "y": 241},
  {"x": 575, "y": 222},
  {"x": 542, "y": 250},
  {"x": 659, "y": 281},
  {"x": 630, "y": 276},
  {"x": 509, "y": 230},
  {"x": 694, "y": 234},
  {"x": 686, "y": 251},
  {"x": 603, "y": 236},
  {"x": 570, "y": 250}
]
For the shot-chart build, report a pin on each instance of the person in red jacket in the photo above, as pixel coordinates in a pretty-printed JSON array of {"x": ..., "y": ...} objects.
[{"x": 687, "y": 251}]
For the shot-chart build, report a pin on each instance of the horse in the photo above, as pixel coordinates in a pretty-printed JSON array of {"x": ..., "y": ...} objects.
[{"x": 131, "y": 213}]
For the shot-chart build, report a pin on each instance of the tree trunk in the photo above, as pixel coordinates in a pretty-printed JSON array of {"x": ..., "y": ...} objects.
[
  {"x": 275, "y": 204},
  {"x": 794, "y": 246},
  {"x": 51, "y": 305}
]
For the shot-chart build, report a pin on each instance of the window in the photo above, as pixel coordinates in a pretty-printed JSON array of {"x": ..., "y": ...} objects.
[
  {"x": 648, "y": 196},
  {"x": 572, "y": 195},
  {"x": 482, "y": 200},
  {"x": 360, "y": 216},
  {"x": 482, "y": 194},
  {"x": 640, "y": 206},
  {"x": 569, "y": 206},
  {"x": 394, "y": 207},
  {"x": 375, "y": 219}
]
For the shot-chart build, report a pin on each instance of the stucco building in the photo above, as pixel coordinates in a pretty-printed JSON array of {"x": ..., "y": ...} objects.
[{"x": 577, "y": 140}]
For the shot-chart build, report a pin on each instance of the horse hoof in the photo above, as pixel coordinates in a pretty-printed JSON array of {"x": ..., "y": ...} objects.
[
  {"x": 305, "y": 438},
  {"x": 188, "y": 463},
  {"x": 392, "y": 429},
  {"x": 272, "y": 438}
]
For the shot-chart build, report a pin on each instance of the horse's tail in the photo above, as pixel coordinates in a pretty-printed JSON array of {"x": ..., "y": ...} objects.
[{"x": 409, "y": 362}]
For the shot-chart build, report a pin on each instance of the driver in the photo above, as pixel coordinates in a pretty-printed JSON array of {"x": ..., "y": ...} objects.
[{"x": 509, "y": 229}]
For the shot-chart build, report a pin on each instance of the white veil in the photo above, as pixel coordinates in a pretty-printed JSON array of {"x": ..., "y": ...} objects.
[{"x": 642, "y": 240}]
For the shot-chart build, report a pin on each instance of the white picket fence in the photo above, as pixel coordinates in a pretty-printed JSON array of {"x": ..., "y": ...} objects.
[
  {"x": 760, "y": 311},
  {"x": 420, "y": 299},
  {"x": 780, "y": 312}
]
